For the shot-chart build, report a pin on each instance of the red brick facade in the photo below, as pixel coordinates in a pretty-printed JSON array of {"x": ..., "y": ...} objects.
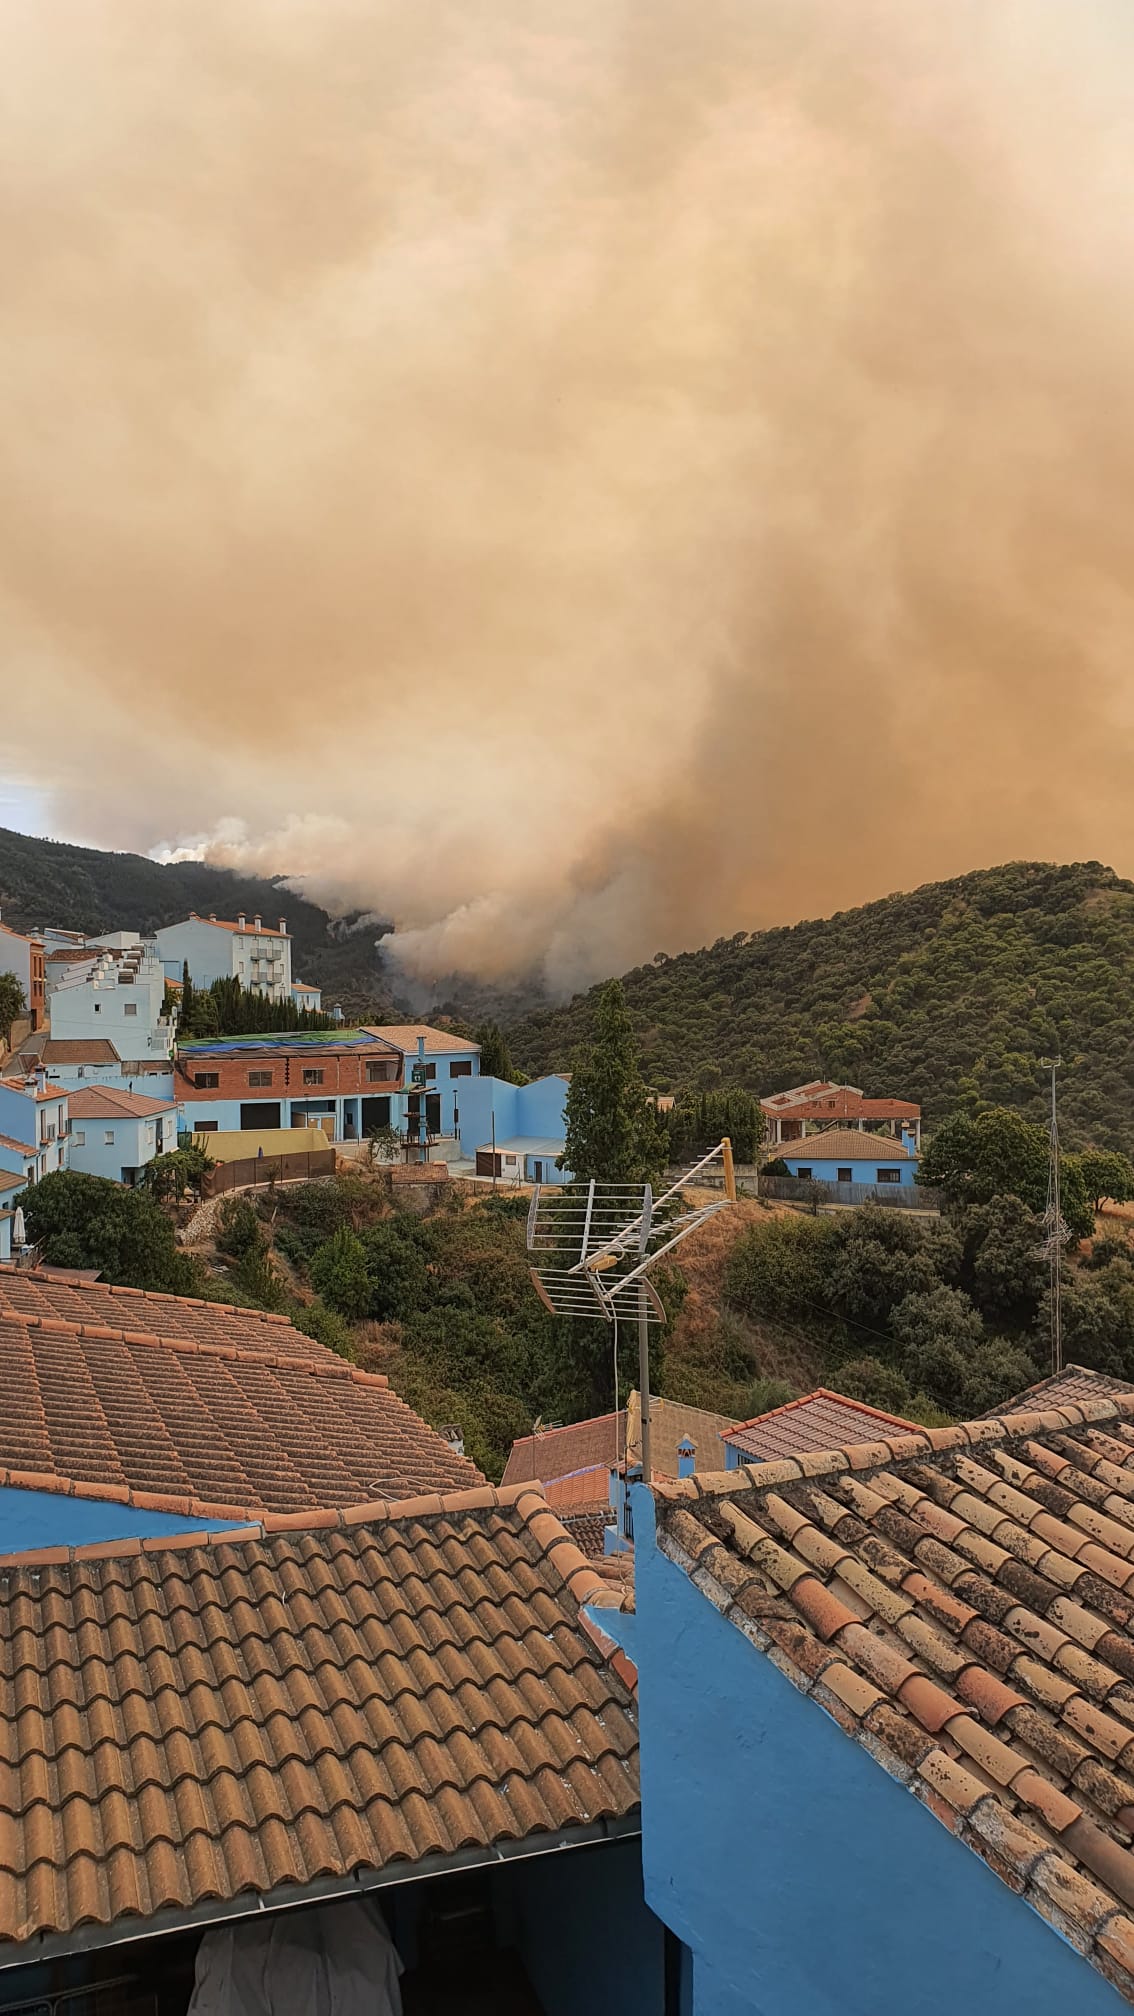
[{"x": 280, "y": 1073}]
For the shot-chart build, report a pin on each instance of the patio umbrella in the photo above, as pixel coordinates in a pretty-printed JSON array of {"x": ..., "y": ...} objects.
[{"x": 19, "y": 1229}]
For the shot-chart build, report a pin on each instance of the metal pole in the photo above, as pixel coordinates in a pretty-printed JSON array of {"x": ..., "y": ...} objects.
[
  {"x": 1057, "y": 1240},
  {"x": 494, "y": 1149},
  {"x": 644, "y": 1342}
]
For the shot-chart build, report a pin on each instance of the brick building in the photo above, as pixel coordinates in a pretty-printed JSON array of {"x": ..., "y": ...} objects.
[{"x": 244, "y": 1083}]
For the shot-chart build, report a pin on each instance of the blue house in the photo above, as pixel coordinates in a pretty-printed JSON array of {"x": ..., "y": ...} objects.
[
  {"x": 886, "y": 1719},
  {"x": 523, "y": 1126},
  {"x": 846, "y": 1155},
  {"x": 445, "y": 1062}
]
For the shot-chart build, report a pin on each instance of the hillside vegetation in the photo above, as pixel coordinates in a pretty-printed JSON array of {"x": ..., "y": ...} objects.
[{"x": 950, "y": 995}]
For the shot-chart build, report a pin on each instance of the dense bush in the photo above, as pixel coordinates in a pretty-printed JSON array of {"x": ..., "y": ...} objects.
[{"x": 87, "y": 1221}]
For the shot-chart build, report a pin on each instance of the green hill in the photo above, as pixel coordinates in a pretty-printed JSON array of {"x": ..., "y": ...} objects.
[{"x": 950, "y": 995}]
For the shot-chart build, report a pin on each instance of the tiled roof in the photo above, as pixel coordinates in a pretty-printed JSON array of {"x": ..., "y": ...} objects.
[
  {"x": 844, "y": 1103},
  {"x": 549, "y": 1453},
  {"x": 580, "y": 1489},
  {"x": 843, "y": 1144},
  {"x": 43, "y": 1293},
  {"x": 70, "y": 1050},
  {"x": 201, "y": 1722},
  {"x": 800, "y": 1094},
  {"x": 1075, "y": 1382},
  {"x": 112, "y": 1102},
  {"x": 23, "y": 1147},
  {"x": 33, "y": 1091},
  {"x": 220, "y": 1423},
  {"x": 405, "y": 1035},
  {"x": 961, "y": 1601},
  {"x": 820, "y": 1420},
  {"x": 670, "y": 1423},
  {"x": 587, "y": 1529},
  {"x": 249, "y": 928}
]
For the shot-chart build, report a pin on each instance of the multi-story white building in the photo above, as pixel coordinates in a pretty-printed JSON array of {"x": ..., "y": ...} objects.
[
  {"x": 108, "y": 1025},
  {"x": 215, "y": 948}
]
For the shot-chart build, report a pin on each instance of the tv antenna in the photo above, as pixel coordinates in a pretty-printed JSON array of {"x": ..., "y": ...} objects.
[
  {"x": 1055, "y": 1225},
  {"x": 596, "y": 1243}
]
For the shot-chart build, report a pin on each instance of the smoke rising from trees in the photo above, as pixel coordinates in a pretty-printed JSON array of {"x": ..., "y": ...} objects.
[{"x": 579, "y": 479}]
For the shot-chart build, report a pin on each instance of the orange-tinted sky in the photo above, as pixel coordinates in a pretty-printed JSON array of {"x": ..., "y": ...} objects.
[{"x": 581, "y": 477}]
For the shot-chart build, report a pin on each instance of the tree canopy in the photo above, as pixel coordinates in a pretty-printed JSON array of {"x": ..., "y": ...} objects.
[
  {"x": 12, "y": 1003},
  {"x": 613, "y": 1130},
  {"x": 87, "y": 1221},
  {"x": 973, "y": 1159}
]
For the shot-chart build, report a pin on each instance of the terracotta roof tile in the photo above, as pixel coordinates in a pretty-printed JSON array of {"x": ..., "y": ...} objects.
[
  {"x": 583, "y": 1446},
  {"x": 192, "y": 1739},
  {"x": 112, "y": 1102},
  {"x": 964, "y": 1588},
  {"x": 205, "y": 1412},
  {"x": 818, "y": 1421}
]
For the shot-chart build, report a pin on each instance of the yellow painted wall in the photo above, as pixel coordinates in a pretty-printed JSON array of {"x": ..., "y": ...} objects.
[{"x": 241, "y": 1144}]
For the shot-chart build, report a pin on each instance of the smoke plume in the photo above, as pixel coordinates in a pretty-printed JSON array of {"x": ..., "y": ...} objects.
[{"x": 576, "y": 478}]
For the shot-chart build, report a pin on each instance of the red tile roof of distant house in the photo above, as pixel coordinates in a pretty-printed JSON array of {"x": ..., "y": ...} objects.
[
  {"x": 847, "y": 1104},
  {"x": 110, "y": 1102},
  {"x": 31, "y": 1090},
  {"x": 405, "y": 1034},
  {"x": 579, "y": 1449},
  {"x": 250, "y": 928},
  {"x": 259, "y": 1714},
  {"x": 843, "y": 1144},
  {"x": 961, "y": 1602},
  {"x": 28, "y": 937},
  {"x": 25, "y": 1147},
  {"x": 672, "y": 1423},
  {"x": 304, "y": 987},
  {"x": 800, "y": 1093},
  {"x": 818, "y": 1420},
  {"x": 48, "y": 1050},
  {"x": 1075, "y": 1382},
  {"x": 151, "y": 1398}
]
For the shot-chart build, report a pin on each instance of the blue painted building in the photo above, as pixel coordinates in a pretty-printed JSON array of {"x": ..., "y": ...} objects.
[
  {"x": 850, "y": 1155},
  {"x": 843, "y": 1813},
  {"x": 34, "y": 1136},
  {"x": 30, "y": 1519},
  {"x": 523, "y": 1124},
  {"x": 447, "y": 1064},
  {"x": 115, "y": 1133}
]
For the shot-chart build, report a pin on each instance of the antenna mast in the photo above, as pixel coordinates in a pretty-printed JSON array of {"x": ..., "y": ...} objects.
[{"x": 1056, "y": 1227}]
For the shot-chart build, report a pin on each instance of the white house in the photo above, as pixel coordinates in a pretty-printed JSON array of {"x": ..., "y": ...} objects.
[
  {"x": 119, "y": 999},
  {"x": 115, "y": 1133},
  {"x": 216, "y": 948},
  {"x": 306, "y": 996}
]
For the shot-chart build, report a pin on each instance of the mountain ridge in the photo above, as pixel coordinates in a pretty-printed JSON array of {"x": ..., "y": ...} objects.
[{"x": 950, "y": 994}]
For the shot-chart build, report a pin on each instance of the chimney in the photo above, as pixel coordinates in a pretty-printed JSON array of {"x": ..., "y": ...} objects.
[
  {"x": 451, "y": 1434},
  {"x": 908, "y": 1141},
  {"x": 686, "y": 1457},
  {"x": 255, "y": 923},
  {"x": 212, "y": 916},
  {"x": 283, "y": 924},
  {"x": 240, "y": 920}
]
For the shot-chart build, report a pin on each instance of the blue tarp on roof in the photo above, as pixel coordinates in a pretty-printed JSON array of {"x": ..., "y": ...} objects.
[{"x": 286, "y": 1039}]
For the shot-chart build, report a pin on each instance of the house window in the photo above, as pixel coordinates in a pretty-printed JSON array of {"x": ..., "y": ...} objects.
[
  {"x": 81, "y": 1072},
  {"x": 206, "y": 1081},
  {"x": 889, "y": 1175},
  {"x": 804, "y": 1175},
  {"x": 431, "y": 1070},
  {"x": 79, "y": 1137},
  {"x": 98, "y": 1007},
  {"x": 205, "y": 1126},
  {"x": 378, "y": 1074},
  {"x": 845, "y": 1175},
  {"x": 312, "y": 1077},
  {"x": 108, "y": 1138},
  {"x": 259, "y": 1077},
  {"x": 130, "y": 1007},
  {"x": 460, "y": 1070}
]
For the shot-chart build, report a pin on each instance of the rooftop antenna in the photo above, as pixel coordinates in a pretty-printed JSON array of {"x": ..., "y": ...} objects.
[
  {"x": 1055, "y": 1226},
  {"x": 595, "y": 1244}
]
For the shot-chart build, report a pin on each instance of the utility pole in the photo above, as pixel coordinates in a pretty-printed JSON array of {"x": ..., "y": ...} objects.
[
  {"x": 1056, "y": 1227},
  {"x": 644, "y": 1335}
]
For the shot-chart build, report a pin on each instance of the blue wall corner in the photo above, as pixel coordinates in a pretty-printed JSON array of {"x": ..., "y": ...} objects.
[{"x": 807, "y": 1881}]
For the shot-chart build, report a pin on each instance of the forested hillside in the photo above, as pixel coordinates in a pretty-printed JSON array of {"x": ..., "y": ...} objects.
[{"x": 950, "y": 995}]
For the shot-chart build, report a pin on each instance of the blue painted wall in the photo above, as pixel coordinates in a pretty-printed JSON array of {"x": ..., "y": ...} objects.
[
  {"x": 805, "y": 1879},
  {"x": 48, "y": 1519},
  {"x": 6, "y": 1228},
  {"x": 538, "y": 1110},
  {"x": 861, "y": 1172},
  {"x": 133, "y": 1143}
]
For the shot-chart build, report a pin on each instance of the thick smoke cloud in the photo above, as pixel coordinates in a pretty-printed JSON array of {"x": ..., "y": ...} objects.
[{"x": 576, "y": 478}]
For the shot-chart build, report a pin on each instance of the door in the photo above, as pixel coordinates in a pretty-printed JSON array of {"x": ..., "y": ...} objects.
[
  {"x": 259, "y": 1113},
  {"x": 433, "y": 1112},
  {"x": 537, "y": 1172},
  {"x": 375, "y": 1113}
]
